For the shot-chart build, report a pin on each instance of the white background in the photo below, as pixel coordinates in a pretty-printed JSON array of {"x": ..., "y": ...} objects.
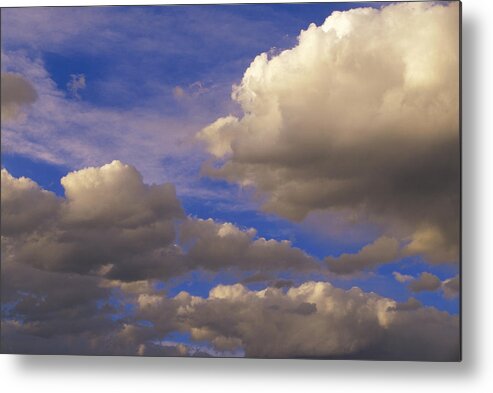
[{"x": 118, "y": 374}]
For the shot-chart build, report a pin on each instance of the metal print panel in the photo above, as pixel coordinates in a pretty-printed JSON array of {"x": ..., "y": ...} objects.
[{"x": 265, "y": 181}]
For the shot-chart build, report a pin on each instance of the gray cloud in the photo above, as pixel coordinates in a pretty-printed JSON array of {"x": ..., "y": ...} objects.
[
  {"x": 68, "y": 313},
  {"x": 429, "y": 282},
  {"x": 122, "y": 341},
  {"x": 16, "y": 93},
  {"x": 451, "y": 287},
  {"x": 350, "y": 121},
  {"x": 305, "y": 308},
  {"x": 214, "y": 246},
  {"x": 113, "y": 236},
  {"x": 318, "y": 320},
  {"x": 45, "y": 312},
  {"x": 382, "y": 250},
  {"x": 425, "y": 282},
  {"x": 402, "y": 278},
  {"x": 410, "y": 305},
  {"x": 257, "y": 277},
  {"x": 281, "y": 283},
  {"x": 115, "y": 194},
  {"x": 312, "y": 320},
  {"x": 25, "y": 206},
  {"x": 111, "y": 224}
]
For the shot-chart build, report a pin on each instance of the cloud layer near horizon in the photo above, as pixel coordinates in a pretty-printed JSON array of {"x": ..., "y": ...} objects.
[
  {"x": 112, "y": 238},
  {"x": 360, "y": 118},
  {"x": 319, "y": 320}
]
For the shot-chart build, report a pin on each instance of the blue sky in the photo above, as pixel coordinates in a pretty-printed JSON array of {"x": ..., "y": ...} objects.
[{"x": 153, "y": 78}]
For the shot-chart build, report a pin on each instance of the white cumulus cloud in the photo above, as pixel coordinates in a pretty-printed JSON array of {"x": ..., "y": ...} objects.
[{"x": 361, "y": 117}]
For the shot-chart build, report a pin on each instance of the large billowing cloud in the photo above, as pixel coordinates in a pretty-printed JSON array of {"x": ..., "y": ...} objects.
[
  {"x": 115, "y": 195},
  {"x": 360, "y": 118},
  {"x": 111, "y": 224},
  {"x": 317, "y": 320}
]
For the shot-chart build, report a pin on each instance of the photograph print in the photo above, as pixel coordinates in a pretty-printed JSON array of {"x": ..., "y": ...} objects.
[{"x": 236, "y": 180}]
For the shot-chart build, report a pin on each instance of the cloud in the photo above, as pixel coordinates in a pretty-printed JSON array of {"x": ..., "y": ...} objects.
[
  {"x": 360, "y": 118},
  {"x": 451, "y": 287},
  {"x": 431, "y": 241},
  {"x": 282, "y": 283},
  {"x": 24, "y": 205},
  {"x": 402, "y": 278},
  {"x": 429, "y": 282},
  {"x": 131, "y": 113},
  {"x": 76, "y": 133},
  {"x": 115, "y": 194},
  {"x": 425, "y": 282},
  {"x": 219, "y": 135},
  {"x": 214, "y": 246},
  {"x": 410, "y": 305},
  {"x": 179, "y": 93},
  {"x": 82, "y": 269},
  {"x": 319, "y": 320},
  {"x": 193, "y": 90},
  {"x": 122, "y": 341},
  {"x": 305, "y": 308},
  {"x": 57, "y": 313},
  {"x": 16, "y": 93},
  {"x": 257, "y": 278},
  {"x": 111, "y": 224},
  {"x": 77, "y": 82},
  {"x": 53, "y": 312},
  {"x": 52, "y": 303},
  {"x": 312, "y": 320},
  {"x": 382, "y": 250},
  {"x": 113, "y": 236}
]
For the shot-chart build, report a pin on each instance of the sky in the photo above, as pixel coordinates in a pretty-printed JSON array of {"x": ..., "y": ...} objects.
[{"x": 206, "y": 176}]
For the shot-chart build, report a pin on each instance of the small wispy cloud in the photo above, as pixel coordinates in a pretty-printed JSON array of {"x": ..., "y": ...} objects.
[
  {"x": 77, "y": 82},
  {"x": 193, "y": 90}
]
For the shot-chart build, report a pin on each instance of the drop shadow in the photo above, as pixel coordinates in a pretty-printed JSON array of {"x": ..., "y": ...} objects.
[
  {"x": 470, "y": 194},
  {"x": 205, "y": 368}
]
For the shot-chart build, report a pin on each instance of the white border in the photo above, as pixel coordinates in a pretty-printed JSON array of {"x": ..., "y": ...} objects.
[{"x": 474, "y": 374}]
